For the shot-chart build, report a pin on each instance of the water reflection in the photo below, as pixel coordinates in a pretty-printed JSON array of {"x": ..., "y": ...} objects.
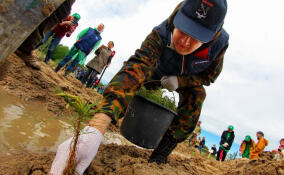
[{"x": 29, "y": 126}]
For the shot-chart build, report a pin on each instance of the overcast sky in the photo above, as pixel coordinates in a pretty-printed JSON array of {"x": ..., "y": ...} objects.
[{"x": 249, "y": 91}]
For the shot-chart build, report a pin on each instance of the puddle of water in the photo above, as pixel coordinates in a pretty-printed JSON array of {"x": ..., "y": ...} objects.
[
  {"x": 29, "y": 126},
  {"x": 25, "y": 125}
]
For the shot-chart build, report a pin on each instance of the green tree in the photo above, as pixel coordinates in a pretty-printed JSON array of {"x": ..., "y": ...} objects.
[{"x": 60, "y": 52}]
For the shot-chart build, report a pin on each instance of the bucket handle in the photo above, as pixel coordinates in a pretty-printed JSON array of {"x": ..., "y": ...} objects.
[{"x": 154, "y": 81}]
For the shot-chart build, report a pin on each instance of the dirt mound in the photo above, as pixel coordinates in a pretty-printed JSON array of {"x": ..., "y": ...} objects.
[
  {"x": 32, "y": 85},
  {"x": 129, "y": 160},
  {"x": 267, "y": 155}
]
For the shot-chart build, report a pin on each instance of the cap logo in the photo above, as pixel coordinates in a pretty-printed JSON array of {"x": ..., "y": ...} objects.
[{"x": 203, "y": 9}]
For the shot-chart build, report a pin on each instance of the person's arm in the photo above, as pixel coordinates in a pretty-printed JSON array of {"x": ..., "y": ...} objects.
[
  {"x": 82, "y": 33},
  {"x": 260, "y": 146},
  {"x": 96, "y": 46},
  {"x": 223, "y": 138},
  {"x": 110, "y": 58},
  {"x": 206, "y": 77},
  {"x": 127, "y": 81},
  {"x": 71, "y": 30}
]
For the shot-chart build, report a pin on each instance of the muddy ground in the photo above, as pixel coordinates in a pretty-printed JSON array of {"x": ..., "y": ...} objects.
[{"x": 40, "y": 86}]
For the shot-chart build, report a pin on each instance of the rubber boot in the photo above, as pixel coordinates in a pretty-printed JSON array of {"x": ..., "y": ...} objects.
[
  {"x": 164, "y": 149},
  {"x": 57, "y": 68},
  {"x": 29, "y": 60}
]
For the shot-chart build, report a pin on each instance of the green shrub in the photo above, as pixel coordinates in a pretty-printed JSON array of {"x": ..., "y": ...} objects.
[
  {"x": 157, "y": 96},
  {"x": 59, "y": 53}
]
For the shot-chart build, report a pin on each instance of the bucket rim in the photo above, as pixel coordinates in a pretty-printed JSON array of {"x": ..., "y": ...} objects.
[{"x": 155, "y": 103}]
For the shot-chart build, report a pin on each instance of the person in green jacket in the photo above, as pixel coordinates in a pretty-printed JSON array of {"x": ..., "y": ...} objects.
[
  {"x": 247, "y": 147},
  {"x": 88, "y": 40}
]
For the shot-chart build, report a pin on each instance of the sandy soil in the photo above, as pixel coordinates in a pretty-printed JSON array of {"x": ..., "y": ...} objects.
[
  {"x": 39, "y": 86},
  {"x": 129, "y": 160}
]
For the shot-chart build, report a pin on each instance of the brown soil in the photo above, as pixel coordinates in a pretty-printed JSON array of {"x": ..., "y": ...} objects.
[
  {"x": 40, "y": 86},
  {"x": 19, "y": 80},
  {"x": 129, "y": 160}
]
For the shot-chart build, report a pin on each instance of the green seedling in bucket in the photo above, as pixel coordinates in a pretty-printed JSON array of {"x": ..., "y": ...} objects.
[{"x": 157, "y": 96}]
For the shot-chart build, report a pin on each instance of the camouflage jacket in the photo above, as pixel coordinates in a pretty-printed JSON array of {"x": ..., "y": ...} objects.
[{"x": 140, "y": 68}]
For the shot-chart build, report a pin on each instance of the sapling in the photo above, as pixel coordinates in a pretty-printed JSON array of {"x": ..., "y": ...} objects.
[{"x": 84, "y": 112}]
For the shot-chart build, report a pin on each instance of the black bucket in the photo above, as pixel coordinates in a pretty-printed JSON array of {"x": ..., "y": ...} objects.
[{"x": 146, "y": 122}]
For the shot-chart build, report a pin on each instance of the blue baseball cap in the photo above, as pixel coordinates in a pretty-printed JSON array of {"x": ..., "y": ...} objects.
[{"x": 201, "y": 19}]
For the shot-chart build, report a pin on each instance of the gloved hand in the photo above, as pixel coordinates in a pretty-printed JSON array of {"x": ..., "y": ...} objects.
[
  {"x": 87, "y": 147},
  {"x": 170, "y": 82},
  {"x": 225, "y": 144}
]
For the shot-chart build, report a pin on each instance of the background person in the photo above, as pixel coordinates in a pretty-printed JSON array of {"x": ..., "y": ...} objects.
[
  {"x": 247, "y": 147},
  {"x": 201, "y": 145},
  {"x": 102, "y": 59},
  {"x": 88, "y": 40},
  {"x": 197, "y": 143},
  {"x": 195, "y": 134},
  {"x": 279, "y": 153},
  {"x": 226, "y": 142},
  {"x": 213, "y": 151},
  {"x": 260, "y": 146},
  {"x": 66, "y": 27}
]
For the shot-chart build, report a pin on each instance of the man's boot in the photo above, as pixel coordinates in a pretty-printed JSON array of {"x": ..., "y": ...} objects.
[
  {"x": 57, "y": 68},
  {"x": 164, "y": 149},
  {"x": 29, "y": 60}
]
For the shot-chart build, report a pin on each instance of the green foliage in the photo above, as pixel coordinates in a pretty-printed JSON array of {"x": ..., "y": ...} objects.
[
  {"x": 84, "y": 111},
  {"x": 157, "y": 96},
  {"x": 59, "y": 53}
]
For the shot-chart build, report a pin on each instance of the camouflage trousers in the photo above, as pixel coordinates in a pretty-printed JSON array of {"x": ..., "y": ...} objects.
[{"x": 189, "y": 109}]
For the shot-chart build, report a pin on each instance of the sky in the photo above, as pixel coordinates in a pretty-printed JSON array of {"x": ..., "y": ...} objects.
[{"x": 249, "y": 92}]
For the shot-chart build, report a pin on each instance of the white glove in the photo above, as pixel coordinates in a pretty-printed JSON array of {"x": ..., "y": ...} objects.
[
  {"x": 170, "y": 82},
  {"x": 225, "y": 144},
  {"x": 87, "y": 147}
]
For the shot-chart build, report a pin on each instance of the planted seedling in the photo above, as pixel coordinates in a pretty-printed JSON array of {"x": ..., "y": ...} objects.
[
  {"x": 84, "y": 112},
  {"x": 158, "y": 97}
]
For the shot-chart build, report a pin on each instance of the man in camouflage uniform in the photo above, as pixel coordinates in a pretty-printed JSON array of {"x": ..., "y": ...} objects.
[
  {"x": 26, "y": 48},
  {"x": 185, "y": 52}
]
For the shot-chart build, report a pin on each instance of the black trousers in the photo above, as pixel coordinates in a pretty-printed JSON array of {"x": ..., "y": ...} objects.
[
  {"x": 89, "y": 77},
  {"x": 221, "y": 154}
]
